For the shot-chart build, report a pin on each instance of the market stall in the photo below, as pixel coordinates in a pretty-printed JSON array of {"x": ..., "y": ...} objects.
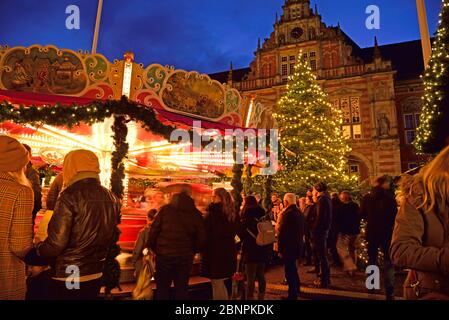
[{"x": 59, "y": 100}]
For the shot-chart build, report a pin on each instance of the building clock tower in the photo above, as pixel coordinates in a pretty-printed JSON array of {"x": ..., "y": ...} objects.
[{"x": 297, "y": 23}]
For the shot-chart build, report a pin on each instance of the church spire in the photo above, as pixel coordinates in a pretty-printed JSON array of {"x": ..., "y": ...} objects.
[
  {"x": 377, "y": 54},
  {"x": 231, "y": 73}
]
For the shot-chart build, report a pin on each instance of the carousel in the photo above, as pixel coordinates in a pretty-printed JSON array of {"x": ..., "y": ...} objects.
[{"x": 67, "y": 85}]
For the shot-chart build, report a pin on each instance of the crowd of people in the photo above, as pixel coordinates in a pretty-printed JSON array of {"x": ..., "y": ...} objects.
[{"x": 235, "y": 245}]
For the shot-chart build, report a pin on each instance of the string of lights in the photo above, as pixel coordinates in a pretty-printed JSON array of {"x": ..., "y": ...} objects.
[
  {"x": 433, "y": 131},
  {"x": 313, "y": 147}
]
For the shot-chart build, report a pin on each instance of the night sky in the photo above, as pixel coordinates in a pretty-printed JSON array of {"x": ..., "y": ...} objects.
[{"x": 203, "y": 35}]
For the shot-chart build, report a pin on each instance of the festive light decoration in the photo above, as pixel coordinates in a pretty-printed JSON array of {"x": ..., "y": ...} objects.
[
  {"x": 312, "y": 144},
  {"x": 123, "y": 112},
  {"x": 98, "y": 111},
  {"x": 361, "y": 251},
  {"x": 266, "y": 192},
  {"x": 248, "y": 186},
  {"x": 433, "y": 131},
  {"x": 250, "y": 113}
]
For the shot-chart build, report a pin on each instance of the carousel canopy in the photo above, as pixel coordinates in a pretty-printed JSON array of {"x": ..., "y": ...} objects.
[{"x": 49, "y": 76}]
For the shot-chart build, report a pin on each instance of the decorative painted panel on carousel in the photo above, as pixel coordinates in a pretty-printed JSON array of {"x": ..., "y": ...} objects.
[
  {"x": 189, "y": 93},
  {"x": 50, "y": 70}
]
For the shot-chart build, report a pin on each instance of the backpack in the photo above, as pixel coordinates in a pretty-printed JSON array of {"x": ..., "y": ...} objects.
[{"x": 266, "y": 234}]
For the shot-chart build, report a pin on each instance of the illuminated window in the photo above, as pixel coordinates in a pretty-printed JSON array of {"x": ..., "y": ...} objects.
[
  {"x": 357, "y": 131},
  {"x": 294, "y": 13},
  {"x": 313, "y": 65},
  {"x": 410, "y": 136},
  {"x": 285, "y": 69},
  {"x": 411, "y": 122},
  {"x": 350, "y": 109},
  {"x": 346, "y": 110},
  {"x": 292, "y": 68},
  {"x": 354, "y": 168},
  {"x": 346, "y": 131},
  {"x": 417, "y": 119},
  {"x": 355, "y": 109}
]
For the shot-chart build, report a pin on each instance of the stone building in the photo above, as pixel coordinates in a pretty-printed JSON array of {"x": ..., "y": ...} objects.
[{"x": 378, "y": 88}]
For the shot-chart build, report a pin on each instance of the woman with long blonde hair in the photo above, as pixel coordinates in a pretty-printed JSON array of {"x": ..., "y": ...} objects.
[
  {"x": 219, "y": 257},
  {"x": 421, "y": 235},
  {"x": 16, "y": 235}
]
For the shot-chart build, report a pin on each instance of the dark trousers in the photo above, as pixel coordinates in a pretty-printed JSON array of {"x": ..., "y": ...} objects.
[
  {"x": 332, "y": 246},
  {"x": 39, "y": 287},
  {"x": 293, "y": 281},
  {"x": 255, "y": 271},
  {"x": 88, "y": 290},
  {"x": 321, "y": 262},
  {"x": 308, "y": 252},
  {"x": 388, "y": 268},
  {"x": 173, "y": 270}
]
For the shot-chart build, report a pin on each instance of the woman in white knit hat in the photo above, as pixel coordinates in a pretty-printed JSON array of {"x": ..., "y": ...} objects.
[{"x": 16, "y": 206}]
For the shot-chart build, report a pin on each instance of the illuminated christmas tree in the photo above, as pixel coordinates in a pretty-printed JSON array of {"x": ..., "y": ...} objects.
[
  {"x": 433, "y": 132},
  {"x": 312, "y": 144}
]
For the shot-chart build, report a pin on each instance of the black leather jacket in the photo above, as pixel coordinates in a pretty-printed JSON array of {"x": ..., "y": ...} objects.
[
  {"x": 323, "y": 221},
  {"x": 178, "y": 230},
  {"x": 81, "y": 229}
]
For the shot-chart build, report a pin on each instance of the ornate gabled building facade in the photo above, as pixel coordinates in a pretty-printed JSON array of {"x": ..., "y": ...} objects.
[{"x": 378, "y": 89}]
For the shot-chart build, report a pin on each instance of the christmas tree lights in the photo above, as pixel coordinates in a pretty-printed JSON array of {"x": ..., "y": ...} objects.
[
  {"x": 433, "y": 131},
  {"x": 313, "y": 147}
]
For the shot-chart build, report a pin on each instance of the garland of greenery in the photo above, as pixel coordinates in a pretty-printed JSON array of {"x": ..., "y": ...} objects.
[
  {"x": 237, "y": 185},
  {"x": 249, "y": 179},
  {"x": 119, "y": 155},
  {"x": 267, "y": 191},
  {"x": 112, "y": 270},
  {"x": 74, "y": 115}
]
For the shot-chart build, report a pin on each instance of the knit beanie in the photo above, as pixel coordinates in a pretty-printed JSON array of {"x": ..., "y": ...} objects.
[{"x": 13, "y": 155}]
